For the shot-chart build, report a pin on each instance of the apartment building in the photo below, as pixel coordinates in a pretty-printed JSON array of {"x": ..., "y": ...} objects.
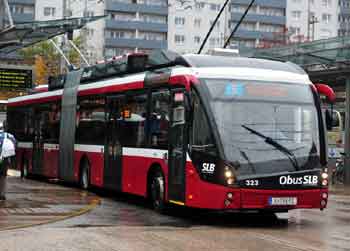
[
  {"x": 48, "y": 9},
  {"x": 21, "y": 11},
  {"x": 309, "y": 20},
  {"x": 264, "y": 24},
  {"x": 344, "y": 18},
  {"x": 189, "y": 23},
  {"x": 131, "y": 26}
]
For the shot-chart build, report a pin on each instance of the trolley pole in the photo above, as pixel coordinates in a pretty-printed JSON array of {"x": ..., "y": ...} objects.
[{"x": 347, "y": 134}]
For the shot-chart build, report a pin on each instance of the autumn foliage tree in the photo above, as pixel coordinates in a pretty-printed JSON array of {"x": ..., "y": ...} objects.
[{"x": 46, "y": 59}]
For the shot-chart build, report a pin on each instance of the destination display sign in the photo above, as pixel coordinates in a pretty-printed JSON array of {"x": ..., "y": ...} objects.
[{"x": 15, "y": 78}]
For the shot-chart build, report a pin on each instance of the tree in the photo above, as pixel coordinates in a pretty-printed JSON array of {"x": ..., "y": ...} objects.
[
  {"x": 47, "y": 59},
  {"x": 41, "y": 70}
]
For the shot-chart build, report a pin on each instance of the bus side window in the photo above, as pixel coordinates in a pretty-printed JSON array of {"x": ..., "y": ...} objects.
[
  {"x": 90, "y": 122},
  {"x": 158, "y": 123},
  {"x": 132, "y": 128},
  {"x": 202, "y": 138}
]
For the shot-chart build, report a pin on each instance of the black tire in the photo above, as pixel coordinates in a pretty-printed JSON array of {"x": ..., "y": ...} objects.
[
  {"x": 85, "y": 176},
  {"x": 24, "y": 169},
  {"x": 157, "y": 191}
]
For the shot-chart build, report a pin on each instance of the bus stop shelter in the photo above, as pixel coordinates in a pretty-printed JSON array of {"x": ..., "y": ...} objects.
[
  {"x": 326, "y": 61},
  {"x": 22, "y": 35}
]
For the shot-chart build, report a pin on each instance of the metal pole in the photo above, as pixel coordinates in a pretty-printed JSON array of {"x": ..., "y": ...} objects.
[
  {"x": 212, "y": 27},
  {"x": 347, "y": 134},
  {"x": 63, "y": 42},
  {"x": 2, "y": 15},
  {"x": 239, "y": 23},
  {"x": 62, "y": 54},
  {"x": 308, "y": 20},
  {"x": 8, "y": 12}
]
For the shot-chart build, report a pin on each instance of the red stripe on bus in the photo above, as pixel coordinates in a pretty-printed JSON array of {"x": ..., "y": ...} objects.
[
  {"x": 34, "y": 101},
  {"x": 112, "y": 88}
]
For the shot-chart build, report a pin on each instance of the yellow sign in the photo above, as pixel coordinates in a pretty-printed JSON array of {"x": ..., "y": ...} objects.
[{"x": 15, "y": 79}]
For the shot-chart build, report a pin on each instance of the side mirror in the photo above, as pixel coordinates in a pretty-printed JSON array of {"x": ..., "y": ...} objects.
[
  {"x": 329, "y": 119},
  {"x": 178, "y": 116}
]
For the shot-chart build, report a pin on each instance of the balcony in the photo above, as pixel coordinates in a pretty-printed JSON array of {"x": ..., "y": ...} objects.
[
  {"x": 22, "y": 18},
  {"x": 24, "y": 2},
  {"x": 235, "y": 16},
  {"x": 139, "y": 43},
  {"x": 265, "y": 3},
  {"x": 344, "y": 11},
  {"x": 143, "y": 8},
  {"x": 256, "y": 34},
  {"x": 139, "y": 25}
]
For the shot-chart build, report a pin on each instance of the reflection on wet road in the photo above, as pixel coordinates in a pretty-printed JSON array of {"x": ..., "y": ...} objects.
[
  {"x": 124, "y": 222},
  {"x": 297, "y": 230}
]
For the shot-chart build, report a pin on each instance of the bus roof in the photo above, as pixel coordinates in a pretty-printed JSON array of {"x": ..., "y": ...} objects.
[
  {"x": 202, "y": 66},
  {"x": 196, "y": 60}
]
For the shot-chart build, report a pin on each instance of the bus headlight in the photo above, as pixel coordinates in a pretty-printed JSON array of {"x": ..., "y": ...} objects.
[
  {"x": 230, "y": 181},
  {"x": 324, "y": 176},
  {"x": 228, "y": 174}
]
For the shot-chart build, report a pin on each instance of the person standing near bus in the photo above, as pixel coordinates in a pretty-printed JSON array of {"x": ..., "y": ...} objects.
[{"x": 7, "y": 152}]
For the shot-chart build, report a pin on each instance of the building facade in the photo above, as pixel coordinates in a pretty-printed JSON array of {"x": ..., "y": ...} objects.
[
  {"x": 264, "y": 24},
  {"x": 344, "y": 18},
  {"x": 21, "y": 11},
  {"x": 189, "y": 23},
  {"x": 131, "y": 26},
  {"x": 309, "y": 20},
  {"x": 48, "y": 10}
]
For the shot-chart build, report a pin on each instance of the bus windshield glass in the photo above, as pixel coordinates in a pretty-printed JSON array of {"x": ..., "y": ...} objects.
[{"x": 265, "y": 127}]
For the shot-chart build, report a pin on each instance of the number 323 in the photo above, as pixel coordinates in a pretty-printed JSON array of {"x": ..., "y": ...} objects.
[{"x": 252, "y": 182}]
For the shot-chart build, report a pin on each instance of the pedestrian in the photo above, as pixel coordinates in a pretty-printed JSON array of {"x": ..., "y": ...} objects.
[{"x": 7, "y": 152}]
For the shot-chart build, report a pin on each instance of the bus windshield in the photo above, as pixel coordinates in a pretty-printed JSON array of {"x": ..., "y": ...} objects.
[{"x": 265, "y": 127}]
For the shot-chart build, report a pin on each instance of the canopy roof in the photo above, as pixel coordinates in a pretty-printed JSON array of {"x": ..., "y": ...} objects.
[
  {"x": 25, "y": 34},
  {"x": 321, "y": 55}
]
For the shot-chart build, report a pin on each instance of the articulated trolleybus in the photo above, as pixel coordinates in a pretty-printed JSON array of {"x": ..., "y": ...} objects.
[{"x": 203, "y": 131}]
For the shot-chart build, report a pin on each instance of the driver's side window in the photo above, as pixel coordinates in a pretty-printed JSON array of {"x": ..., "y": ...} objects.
[{"x": 201, "y": 136}]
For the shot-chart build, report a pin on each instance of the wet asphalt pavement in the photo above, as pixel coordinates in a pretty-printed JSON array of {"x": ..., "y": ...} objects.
[{"x": 123, "y": 222}]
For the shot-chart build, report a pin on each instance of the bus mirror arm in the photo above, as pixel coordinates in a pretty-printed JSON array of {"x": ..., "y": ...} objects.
[
  {"x": 188, "y": 107},
  {"x": 328, "y": 118}
]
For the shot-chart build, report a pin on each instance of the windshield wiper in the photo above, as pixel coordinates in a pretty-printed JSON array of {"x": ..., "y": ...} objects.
[
  {"x": 277, "y": 145},
  {"x": 245, "y": 156}
]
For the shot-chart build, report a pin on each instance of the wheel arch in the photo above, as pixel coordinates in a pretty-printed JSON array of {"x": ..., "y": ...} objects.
[
  {"x": 83, "y": 160},
  {"x": 153, "y": 169}
]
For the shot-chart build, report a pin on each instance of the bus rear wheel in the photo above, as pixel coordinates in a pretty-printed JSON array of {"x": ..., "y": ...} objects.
[
  {"x": 85, "y": 176},
  {"x": 157, "y": 192}
]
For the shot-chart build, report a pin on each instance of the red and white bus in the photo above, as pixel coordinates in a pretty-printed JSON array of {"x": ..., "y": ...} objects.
[{"x": 203, "y": 131}]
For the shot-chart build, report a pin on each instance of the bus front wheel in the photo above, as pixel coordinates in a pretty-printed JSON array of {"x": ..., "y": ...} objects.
[
  {"x": 157, "y": 192},
  {"x": 85, "y": 176},
  {"x": 24, "y": 170}
]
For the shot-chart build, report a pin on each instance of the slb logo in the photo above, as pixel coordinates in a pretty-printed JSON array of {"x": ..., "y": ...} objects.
[{"x": 208, "y": 168}]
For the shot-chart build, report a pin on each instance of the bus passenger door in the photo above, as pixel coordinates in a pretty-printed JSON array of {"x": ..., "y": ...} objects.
[
  {"x": 38, "y": 145},
  {"x": 112, "y": 174},
  {"x": 177, "y": 148}
]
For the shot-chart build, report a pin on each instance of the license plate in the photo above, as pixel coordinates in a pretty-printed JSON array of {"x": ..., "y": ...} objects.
[{"x": 283, "y": 201}]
